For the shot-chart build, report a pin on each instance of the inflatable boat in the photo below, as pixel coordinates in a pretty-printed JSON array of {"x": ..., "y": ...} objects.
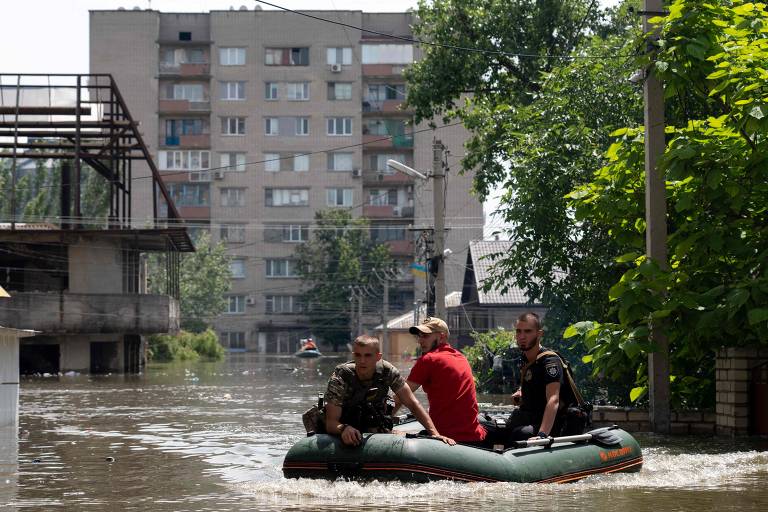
[
  {"x": 413, "y": 458},
  {"x": 310, "y": 352}
]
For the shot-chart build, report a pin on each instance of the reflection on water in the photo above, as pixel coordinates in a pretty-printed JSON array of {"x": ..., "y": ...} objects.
[{"x": 212, "y": 436}]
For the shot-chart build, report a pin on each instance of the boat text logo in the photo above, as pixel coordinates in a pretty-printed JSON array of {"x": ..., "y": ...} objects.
[{"x": 605, "y": 456}]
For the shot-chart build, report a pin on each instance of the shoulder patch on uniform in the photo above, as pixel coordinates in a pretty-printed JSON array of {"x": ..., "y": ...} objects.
[{"x": 553, "y": 370}]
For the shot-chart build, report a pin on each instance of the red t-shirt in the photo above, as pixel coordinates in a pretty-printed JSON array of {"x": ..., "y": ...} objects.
[{"x": 446, "y": 377}]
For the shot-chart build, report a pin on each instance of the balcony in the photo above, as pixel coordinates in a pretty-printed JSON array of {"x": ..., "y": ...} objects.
[
  {"x": 387, "y": 211},
  {"x": 380, "y": 178},
  {"x": 76, "y": 313},
  {"x": 372, "y": 141},
  {"x": 183, "y": 106},
  {"x": 383, "y": 70},
  {"x": 198, "y": 141},
  {"x": 382, "y": 106},
  {"x": 400, "y": 247},
  {"x": 186, "y": 69}
]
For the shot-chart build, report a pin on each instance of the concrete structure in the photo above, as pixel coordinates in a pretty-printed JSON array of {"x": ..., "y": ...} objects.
[
  {"x": 742, "y": 391},
  {"x": 259, "y": 119},
  {"x": 9, "y": 379},
  {"x": 485, "y": 310}
]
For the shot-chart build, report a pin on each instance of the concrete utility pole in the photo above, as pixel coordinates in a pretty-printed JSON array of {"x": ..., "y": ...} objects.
[
  {"x": 438, "y": 184},
  {"x": 656, "y": 228},
  {"x": 385, "y": 318}
]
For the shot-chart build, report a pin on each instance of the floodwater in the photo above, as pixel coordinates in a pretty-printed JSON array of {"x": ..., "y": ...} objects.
[{"x": 212, "y": 436}]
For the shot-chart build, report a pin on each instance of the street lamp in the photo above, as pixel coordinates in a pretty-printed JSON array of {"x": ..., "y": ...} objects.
[{"x": 438, "y": 185}]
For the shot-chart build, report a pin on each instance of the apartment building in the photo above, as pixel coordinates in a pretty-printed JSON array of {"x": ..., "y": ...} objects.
[{"x": 258, "y": 119}]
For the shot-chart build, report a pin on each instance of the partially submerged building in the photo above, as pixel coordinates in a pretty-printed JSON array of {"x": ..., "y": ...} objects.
[{"x": 71, "y": 257}]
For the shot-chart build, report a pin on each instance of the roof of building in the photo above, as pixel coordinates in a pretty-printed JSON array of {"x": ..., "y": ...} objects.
[
  {"x": 480, "y": 263},
  {"x": 405, "y": 321}
]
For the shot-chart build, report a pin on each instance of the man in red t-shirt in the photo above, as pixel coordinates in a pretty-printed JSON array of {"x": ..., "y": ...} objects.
[{"x": 447, "y": 379}]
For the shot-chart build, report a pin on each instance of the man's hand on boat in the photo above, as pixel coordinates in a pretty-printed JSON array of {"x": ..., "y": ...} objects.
[
  {"x": 446, "y": 440},
  {"x": 351, "y": 436}
]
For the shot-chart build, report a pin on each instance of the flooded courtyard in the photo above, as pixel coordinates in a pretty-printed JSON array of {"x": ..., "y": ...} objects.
[{"x": 212, "y": 436}]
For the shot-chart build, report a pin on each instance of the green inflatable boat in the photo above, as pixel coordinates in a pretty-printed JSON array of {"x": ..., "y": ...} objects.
[{"x": 413, "y": 458}]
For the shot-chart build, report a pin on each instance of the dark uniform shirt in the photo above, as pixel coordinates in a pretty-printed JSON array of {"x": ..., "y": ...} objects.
[
  {"x": 362, "y": 402},
  {"x": 534, "y": 382}
]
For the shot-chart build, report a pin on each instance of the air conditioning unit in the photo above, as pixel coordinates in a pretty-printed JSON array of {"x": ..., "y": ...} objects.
[
  {"x": 251, "y": 301},
  {"x": 356, "y": 173},
  {"x": 335, "y": 68},
  {"x": 218, "y": 175},
  {"x": 396, "y": 211}
]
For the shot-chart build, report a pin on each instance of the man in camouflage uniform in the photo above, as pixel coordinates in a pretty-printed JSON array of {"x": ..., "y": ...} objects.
[{"x": 356, "y": 398}]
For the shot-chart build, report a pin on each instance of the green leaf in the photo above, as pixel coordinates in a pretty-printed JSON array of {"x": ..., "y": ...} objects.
[
  {"x": 630, "y": 256},
  {"x": 570, "y": 331},
  {"x": 717, "y": 74},
  {"x": 757, "y": 315},
  {"x": 637, "y": 393},
  {"x": 587, "y": 359}
]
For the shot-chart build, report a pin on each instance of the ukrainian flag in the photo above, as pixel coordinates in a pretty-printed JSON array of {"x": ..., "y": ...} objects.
[{"x": 418, "y": 270}]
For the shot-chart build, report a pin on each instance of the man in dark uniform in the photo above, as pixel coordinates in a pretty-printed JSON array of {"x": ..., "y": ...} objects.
[
  {"x": 356, "y": 398},
  {"x": 541, "y": 377}
]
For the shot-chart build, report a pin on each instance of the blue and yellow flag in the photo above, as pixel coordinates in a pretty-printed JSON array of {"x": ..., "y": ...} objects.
[{"x": 418, "y": 270}]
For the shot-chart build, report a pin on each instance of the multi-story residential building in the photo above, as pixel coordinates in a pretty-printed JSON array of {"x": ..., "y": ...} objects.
[{"x": 258, "y": 119}]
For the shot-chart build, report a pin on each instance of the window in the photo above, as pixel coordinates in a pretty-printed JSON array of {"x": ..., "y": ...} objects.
[
  {"x": 232, "y": 162},
  {"x": 286, "y": 57},
  {"x": 173, "y": 57},
  {"x": 271, "y": 162},
  {"x": 232, "y": 233},
  {"x": 297, "y": 91},
  {"x": 283, "y": 304},
  {"x": 189, "y": 194},
  {"x": 339, "y": 126},
  {"x": 339, "y": 197},
  {"x": 387, "y": 233},
  {"x": 178, "y": 127},
  {"x": 339, "y": 91},
  {"x": 301, "y": 163},
  {"x": 391, "y": 127},
  {"x": 340, "y": 161},
  {"x": 379, "y": 162},
  {"x": 232, "y": 90},
  {"x": 302, "y": 126},
  {"x": 184, "y": 160},
  {"x": 379, "y": 92},
  {"x": 289, "y": 233},
  {"x": 190, "y": 92},
  {"x": 237, "y": 268},
  {"x": 235, "y": 304},
  {"x": 233, "y": 126},
  {"x": 234, "y": 340},
  {"x": 231, "y": 196},
  {"x": 185, "y": 36},
  {"x": 271, "y": 91},
  {"x": 281, "y": 267},
  {"x": 232, "y": 56},
  {"x": 286, "y": 196},
  {"x": 383, "y": 197},
  {"x": 387, "y": 54},
  {"x": 271, "y": 126},
  {"x": 339, "y": 56}
]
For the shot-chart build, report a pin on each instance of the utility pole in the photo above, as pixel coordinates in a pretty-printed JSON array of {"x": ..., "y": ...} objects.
[
  {"x": 351, "y": 313},
  {"x": 360, "y": 312},
  {"x": 438, "y": 184},
  {"x": 656, "y": 228},
  {"x": 385, "y": 318}
]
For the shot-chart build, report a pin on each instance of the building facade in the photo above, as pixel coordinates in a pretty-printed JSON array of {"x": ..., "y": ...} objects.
[{"x": 258, "y": 119}]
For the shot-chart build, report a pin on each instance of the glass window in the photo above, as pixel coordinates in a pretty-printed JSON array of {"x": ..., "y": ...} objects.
[
  {"x": 271, "y": 162},
  {"x": 387, "y": 233},
  {"x": 232, "y": 233},
  {"x": 339, "y": 126},
  {"x": 282, "y": 304},
  {"x": 191, "y": 92},
  {"x": 339, "y": 197},
  {"x": 286, "y": 57},
  {"x": 297, "y": 91},
  {"x": 286, "y": 196},
  {"x": 232, "y": 162},
  {"x": 340, "y": 161},
  {"x": 234, "y": 197},
  {"x": 234, "y": 340},
  {"x": 271, "y": 126},
  {"x": 379, "y": 162},
  {"x": 232, "y": 56},
  {"x": 295, "y": 233},
  {"x": 281, "y": 267},
  {"x": 189, "y": 194},
  {"x": 301, "y": 163},
  {"x": 232, "y": 90},
  {"x": 235, "y": 304},
  {"x": 184, "y": 160},
  {"x": 302, "y": 126},
  {"x": 339, "y": 56},
  {"x": 237, "y": 268},
  {"x": 271, "y": 91},
  {"x": 387, "y": 54},
  {"x": 339, "y": 91},
  {"x": 233, "y": 126}
]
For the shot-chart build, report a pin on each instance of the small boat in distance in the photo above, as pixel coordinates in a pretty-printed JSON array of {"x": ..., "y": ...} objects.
[{"x": 308, "y": 349}]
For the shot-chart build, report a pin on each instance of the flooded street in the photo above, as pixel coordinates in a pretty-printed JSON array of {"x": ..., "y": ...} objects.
[{"x": 212, "y": 436}]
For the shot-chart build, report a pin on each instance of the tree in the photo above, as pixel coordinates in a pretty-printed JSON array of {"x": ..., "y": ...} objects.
[
  {"x": 714, "y": 292},
  {"x": 204, "y": 277},
  {"x": 339, "y": 257}
]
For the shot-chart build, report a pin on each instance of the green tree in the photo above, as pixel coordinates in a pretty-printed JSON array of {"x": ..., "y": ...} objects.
[
  {"x": 340, "y": 256},
  {"x": 204, "y": 277},
  {"x": 714, "y": 292}
]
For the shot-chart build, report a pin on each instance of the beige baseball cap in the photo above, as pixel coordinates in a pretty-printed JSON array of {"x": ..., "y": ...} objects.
[{"x": 429, "y": 325}]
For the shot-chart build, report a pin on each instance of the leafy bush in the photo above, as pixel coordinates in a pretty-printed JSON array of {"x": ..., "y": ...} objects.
[
  {"x": 480, "y": 355},
  {"x": 185, "y": 346}
]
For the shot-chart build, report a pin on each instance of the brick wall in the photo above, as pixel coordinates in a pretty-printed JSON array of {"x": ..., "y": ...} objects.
[
  {"x": 733, "y": 367},
  {"x": 636, "y": 420}
]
